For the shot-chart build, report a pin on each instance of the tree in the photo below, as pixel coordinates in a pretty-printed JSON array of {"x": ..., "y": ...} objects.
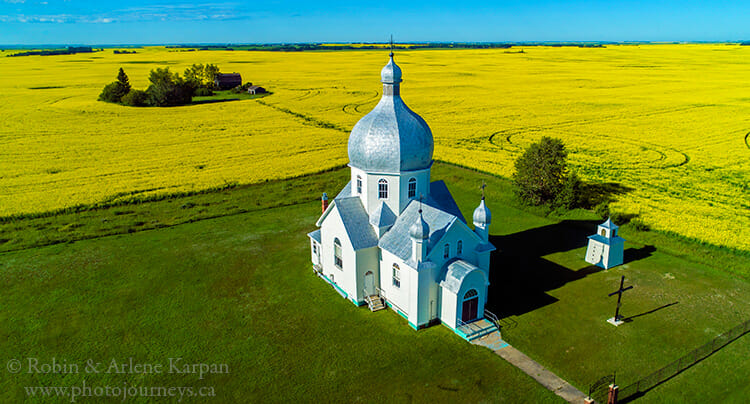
[
  {"x": 542, "y": 176},
  {"x": 201, "y": 76},
  {"x": 135, "y": 98},
  {"x": 168, "y": 88},
  {"x": 122, "y": 78},
  {"x": 114, "y": 91}
]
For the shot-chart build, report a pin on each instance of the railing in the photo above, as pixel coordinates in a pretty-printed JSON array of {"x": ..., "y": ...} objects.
[
  {"x": 493, "y": 318},
  {"x": 382, "y": 295},
  {"x": 655, "y": 378}
]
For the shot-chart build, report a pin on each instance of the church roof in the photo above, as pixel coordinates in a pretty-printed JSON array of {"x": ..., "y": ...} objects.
[
  {"x": 605, "y": 240},
  {"x": 609, "y": 225},
  {"x": 315, "y": 235},
  {"x": 440, "y": 193},
  {"x": 346, "y": 192},
  {"x": 356, "y": 223},
  {"x": 439, "y": 211},
  {"x": 455, "y": 274},
  {"x": 391, "y": 138},
  {"x": 382, "y": 216}
]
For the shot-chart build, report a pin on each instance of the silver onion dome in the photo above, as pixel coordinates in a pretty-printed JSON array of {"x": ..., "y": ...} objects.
[
  {"x": 391, "y": 73},
  {"x": 420, "y": 230},
  {"x": 391, "y": 138},
  {"x": 482, "y": 214}
]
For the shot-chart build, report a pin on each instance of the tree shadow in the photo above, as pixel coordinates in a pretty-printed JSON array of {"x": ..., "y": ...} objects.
[
  {"x": 593, "y": 194},
  {"x": 199, "y": 102},
  {"x": 630, "y": 319},
  {"x": 520, "y": 277}
]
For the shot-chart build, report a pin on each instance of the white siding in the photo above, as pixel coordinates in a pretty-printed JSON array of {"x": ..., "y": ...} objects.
[
  {"x": 332, "y": 228},
  {"x": 395, "y": 295}
]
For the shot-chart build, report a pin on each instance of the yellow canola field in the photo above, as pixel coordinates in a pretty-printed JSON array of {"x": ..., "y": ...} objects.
[{"x": 669, "y": 123}]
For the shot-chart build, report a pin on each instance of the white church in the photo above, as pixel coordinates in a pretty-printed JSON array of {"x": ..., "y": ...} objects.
[{"x": 392, "y": 236}]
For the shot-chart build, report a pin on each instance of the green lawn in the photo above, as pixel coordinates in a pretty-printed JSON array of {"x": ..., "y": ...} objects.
[
  {"x": 226, "y": 95},
  {"x": 238, "y": 290},
  {"x": 225, "y": 277}
]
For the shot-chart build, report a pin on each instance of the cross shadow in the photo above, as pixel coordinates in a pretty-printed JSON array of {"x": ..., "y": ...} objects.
[
  {"x": 520, "y": 277},
  {"x": 629, "y": 319}
]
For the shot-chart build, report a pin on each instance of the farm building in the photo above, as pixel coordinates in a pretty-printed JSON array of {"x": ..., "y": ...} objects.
[
  {"x": 256, "y": 90},
  {"x": 226, "y": 81},
  {"x": 394, "y": 238}
]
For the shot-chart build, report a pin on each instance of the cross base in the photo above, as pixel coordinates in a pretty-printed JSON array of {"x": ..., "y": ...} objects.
[{"x": 615, "y": 321}]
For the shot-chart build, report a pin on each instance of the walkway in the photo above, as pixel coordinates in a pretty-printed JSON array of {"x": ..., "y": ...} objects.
[{"x": 531, "y": 368}]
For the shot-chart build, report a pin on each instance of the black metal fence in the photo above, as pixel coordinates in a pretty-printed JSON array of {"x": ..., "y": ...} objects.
[
  {"x": 599, "y": 390},
  {"x": 652, "y": 380}
]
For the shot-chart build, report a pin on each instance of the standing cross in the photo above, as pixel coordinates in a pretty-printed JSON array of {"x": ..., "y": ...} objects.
[
  {"x": 421, "y": 197},
  {"x": 483, "y": 187},
  {"x": 391, "y": 45},
  {"x": 619, "y": 297}
]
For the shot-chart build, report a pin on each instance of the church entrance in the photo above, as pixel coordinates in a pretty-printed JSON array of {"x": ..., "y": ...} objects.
[
  {"x": 369, "y": 283},
  {"x": 469, "y": 309}
]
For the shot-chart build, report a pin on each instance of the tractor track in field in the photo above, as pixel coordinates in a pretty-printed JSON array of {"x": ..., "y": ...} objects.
[
  {"x": 662, "y": 151},
  {"x": 347, "y": 109},
  {"x": 747, "y": 141}
]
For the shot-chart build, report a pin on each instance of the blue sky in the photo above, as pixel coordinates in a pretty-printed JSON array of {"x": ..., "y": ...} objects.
[{"x": 175, "y": 21}]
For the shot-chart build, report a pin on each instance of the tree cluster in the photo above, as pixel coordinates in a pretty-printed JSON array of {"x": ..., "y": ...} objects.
[
  {"x": 165, "y": 88},
  {"x": 542, "y": 176}
]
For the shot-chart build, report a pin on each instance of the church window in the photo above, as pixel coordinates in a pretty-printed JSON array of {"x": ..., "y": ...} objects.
[
  {"x": 337, "y": 253},
  {"x": 359, "y": 185},
  {"x": 382, "y": 188},
  {"x": 447, "y": 251},
  {"x": 459, "y": 247},
  {"x": 396, "y": 276},
  {"x": 315, "y": 248},
  {"x": 471, "y": 293},
  {"x": 412, "y": 187},
  {"x": 604, "y": 233}
]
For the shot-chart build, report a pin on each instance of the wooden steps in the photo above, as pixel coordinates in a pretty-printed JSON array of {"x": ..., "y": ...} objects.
[{"x": 375, "y": 302}]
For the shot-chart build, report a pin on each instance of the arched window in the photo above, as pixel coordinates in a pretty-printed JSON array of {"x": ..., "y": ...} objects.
[
  {"x": 604, "y": 233},
  {"x": 359, "y": 185},
  {"x": 396, "y": 276},
  {"x": 447, "y": 251},
  {"x": 459, "y": 247},
  {"x": 412, "y": 187},
  {"x": 471, "y": 293},
  {"x": 382, "y": 188},
  {"x": 337, "y": 253}
]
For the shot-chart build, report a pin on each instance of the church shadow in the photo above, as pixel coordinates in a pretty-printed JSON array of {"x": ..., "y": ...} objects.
[
  {"x": 520, "y": 277},
  {"x": 635, "y": 254}
]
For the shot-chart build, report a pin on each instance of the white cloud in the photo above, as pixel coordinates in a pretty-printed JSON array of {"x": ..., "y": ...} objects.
[{"x": 167, "y": 12}]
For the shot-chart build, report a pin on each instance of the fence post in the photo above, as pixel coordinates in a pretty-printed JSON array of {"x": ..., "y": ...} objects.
[{"x": 612, "y": 396}]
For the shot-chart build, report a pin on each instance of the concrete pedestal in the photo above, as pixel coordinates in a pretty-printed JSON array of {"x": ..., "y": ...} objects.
[{"x": 615, "y": 321}]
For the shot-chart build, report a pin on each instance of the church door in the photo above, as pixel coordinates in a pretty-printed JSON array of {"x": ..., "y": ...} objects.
[
  {"x": 369, "y": 283},
  {"x": 469, "y": 309}
]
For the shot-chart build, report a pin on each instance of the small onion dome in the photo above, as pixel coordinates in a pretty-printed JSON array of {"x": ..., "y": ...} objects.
[
  {"x": 482, "y": 214},
  {"x": 420, "y": 230},
  {"x": 391, "y": 73}
]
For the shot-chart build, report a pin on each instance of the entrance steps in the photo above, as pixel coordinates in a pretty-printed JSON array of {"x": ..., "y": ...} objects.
[
  {"x": 476, "y": 329},
  {"x": 374, "y": 302}
]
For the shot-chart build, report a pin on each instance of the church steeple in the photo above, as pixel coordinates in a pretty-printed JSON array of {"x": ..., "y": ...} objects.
[{"x": 390, "y": 76}]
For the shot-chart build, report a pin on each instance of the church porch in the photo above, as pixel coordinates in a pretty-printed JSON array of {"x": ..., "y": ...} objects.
[{"x": 475, "y": 329}]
